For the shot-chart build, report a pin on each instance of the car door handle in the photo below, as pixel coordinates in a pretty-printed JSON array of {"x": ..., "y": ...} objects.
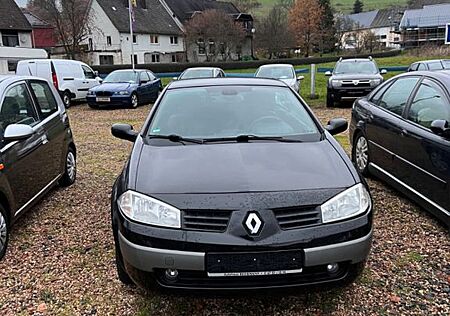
[{"x": 370, "y": 118}]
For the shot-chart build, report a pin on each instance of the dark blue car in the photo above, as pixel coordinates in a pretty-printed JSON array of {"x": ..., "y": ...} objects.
[{"x": 125, "y": 88}]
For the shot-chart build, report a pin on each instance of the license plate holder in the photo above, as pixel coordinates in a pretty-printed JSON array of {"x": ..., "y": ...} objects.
[{"x": 103, "y": 99}]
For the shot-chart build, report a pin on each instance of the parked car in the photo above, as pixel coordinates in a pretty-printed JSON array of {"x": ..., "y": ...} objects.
[
  {"x": 201, "y": 72},
  {"x": 437, "y": 64},
  {"x": 220, "y": 192},
  {"x": 37, "y": 150},
  {"x": 71, "y": 78},
  {"x": 352, "y": 78},
  {"x": 400, "y": 133},
  {"x": 282, "y": 72},
  {"x": 126, "y": 88}
]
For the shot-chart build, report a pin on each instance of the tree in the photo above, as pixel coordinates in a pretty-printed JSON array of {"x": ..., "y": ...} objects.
[
  {"x": 69, "y": 17},
  {"x": 274, "y": 35},
  {"x": 358, "y": 6},
  {"x": 304, "y": 22},
  {"x": 343, "y": 24},
  {"x": 247, "y": 5},
  {"x": 215, "y": 33},
  {"x": 370, "y": 41},
  {"x": 327, "y": 27}
]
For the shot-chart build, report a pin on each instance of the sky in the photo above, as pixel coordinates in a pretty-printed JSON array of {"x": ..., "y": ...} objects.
[{"x": 21, "y": 3}]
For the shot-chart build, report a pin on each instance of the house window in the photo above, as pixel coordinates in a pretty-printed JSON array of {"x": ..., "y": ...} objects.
[
  {"x": 212, "y": 47},
  {"x": 155, "y": 58},
  {"x": 12, "y": 65},
  {"x": 174, "y": 40},
  {"x": 10, "y": 39},
  {"x": 174, "y": 58},
  {"x": 134, "y": 39},
  {"x": 108, "y": 40},
  {"x": 154, "y": 39},
  {"x": 135, "y": 59},
  {"x": 201, "y": 46},
  {"x": 106, "y": 60},
  {"x": 383, "y": 36},
  {"x": 91, "y": 44}
]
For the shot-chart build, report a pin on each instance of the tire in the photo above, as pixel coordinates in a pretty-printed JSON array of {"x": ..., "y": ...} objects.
[
  {"x": 66, "y": 99},
  {"x": 330, "y": 100},
  {"x": 70, "y": 169},
  {"x": 134, "y": 101},
  {"x": 360, "y": 154},
  {"x": 121, "y": 273},
  {"x": 4, "y": 231}
]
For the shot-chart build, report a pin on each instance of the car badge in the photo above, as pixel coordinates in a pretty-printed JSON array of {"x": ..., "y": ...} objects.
[
  {"x": 356, "y": 82},
  {"x": 253, "y": 224}
]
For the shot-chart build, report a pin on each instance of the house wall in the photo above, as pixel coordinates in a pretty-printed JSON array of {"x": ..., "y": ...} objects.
[
  {"x": 194, "y": 56},
  {"x": 385, "y": 35},
  {"x": 43, "y": 38}
]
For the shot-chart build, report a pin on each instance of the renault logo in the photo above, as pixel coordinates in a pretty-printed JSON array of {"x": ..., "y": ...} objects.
[{"x": 253, "y": 224}]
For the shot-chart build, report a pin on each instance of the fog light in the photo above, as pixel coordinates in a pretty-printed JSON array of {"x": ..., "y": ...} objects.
[
  {"x": 332, "y": 267},
  {"x": 172, "y": 274}
]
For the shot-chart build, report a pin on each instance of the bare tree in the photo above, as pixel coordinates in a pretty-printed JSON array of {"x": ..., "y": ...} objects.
[
  {"x": 343, "y": 24},
  {"x": 216, "y": 33},
  {"x": 69, "y": 17},
  {"x": 370, "y": 41},
  {"x": 274, "y": 35}
]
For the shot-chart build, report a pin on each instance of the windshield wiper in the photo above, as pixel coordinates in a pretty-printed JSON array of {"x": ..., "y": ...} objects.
[
  {"x": 247, "y": 138},
  {"x": 177, "y": 138}
]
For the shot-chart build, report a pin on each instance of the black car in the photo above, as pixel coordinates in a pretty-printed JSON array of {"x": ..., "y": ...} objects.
[
  {"x": 37, "y": 150},
  {"x": 351, "y": 79},
  {"x": 233, "y": 183},
  {"x": 401, "y": 134},
  {"x": 432, "y": 65}
]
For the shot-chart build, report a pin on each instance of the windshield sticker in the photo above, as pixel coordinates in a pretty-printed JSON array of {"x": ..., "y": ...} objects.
[{"x": 156, "y": 130}]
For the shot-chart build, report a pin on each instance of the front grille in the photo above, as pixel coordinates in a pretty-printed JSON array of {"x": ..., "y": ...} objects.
[
  {"x": 297, "y": 216},
  {"x": 103, "y": 93},
  {"x": 361, "y": 83},
  {"x": 206, "y": 220}
]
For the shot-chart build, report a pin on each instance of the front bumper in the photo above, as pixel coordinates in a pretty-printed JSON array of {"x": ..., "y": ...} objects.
[
  {"x": 349, "y": 93},
  {"x": 115, "y": 100}
]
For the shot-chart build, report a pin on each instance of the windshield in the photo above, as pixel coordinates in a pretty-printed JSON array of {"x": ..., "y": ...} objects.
[
  {"x": 446, "y": 64},
  {"x": 197, "y": 73},
  {"x": 356, "y": 67},
  {"x": 275, "y": 73},
  {"x": 122, "y": 77},
  {"x": 232, "y": 111}
]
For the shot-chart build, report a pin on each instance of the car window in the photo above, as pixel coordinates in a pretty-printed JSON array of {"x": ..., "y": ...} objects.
[
  {"x": 275, "y": 73},
  {"x": 144, "y": 77},
  {"x": 377, "y": 96},
  {"x": 45, "y": 98},
  {"x": 151, "y": 76},
  {"x": 413, "y": 67},
  {"x": 397, "y": 95},
  {"x": 88, "y": 73},
  {"x": 429, "y": 104},
  {"x": 356, "y": 67},
  {"x": 435, "y": 65},
  {"x": 230, "y": 111},
  {"x": 17, "y": 108},
  {"x": 422, "y": 67},
  {"x": 446, "y": 64}
]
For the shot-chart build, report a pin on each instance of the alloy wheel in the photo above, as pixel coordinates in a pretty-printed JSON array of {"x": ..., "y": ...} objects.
[
  {"x": 362, "y": 153},
  {"x": 71, "y": 166},
  {"x": 134, "y": 101}
]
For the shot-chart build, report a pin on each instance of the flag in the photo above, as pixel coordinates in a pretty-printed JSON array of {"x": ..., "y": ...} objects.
[{"x": 132, "y": 6}]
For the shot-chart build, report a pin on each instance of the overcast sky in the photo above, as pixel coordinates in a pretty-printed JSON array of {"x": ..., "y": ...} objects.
[{"x": 21, "y": 3}]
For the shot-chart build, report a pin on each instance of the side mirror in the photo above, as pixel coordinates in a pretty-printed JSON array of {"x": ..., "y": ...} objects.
[
  {"x": 337, "y": 126},
  {"x": 96, "y": 73},
  {"x": 328, "y": 73},
  {"x": 17, "y": 132},
  {"x": 124, "y": 131},
  {"x": 383, "y": 71},
  {"x": 440, "y": 127},
  {"x": 300, "y": 77},
  {"x": 99, "y": 80}
]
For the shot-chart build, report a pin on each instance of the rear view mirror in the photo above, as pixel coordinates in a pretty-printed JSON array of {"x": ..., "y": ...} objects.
[
  {"x": 124, "y": 131},
  {"x": 300, "y": 77},
  {"x": 336, "y": 126},
  {"x": 383, "y": 71},
  {"x": 16, "y": 132},
  {"x": 440, "y": 127},
  {"x": 328, "y": 73}
]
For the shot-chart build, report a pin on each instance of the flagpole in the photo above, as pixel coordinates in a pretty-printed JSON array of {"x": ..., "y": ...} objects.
[{"x": 130, "y": 11}]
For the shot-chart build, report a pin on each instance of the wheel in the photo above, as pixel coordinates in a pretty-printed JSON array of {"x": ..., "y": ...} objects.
[
  {"x": 134, "y": 101},
  {"x": 360, "y": 154},
  {"x": 70, "y": 171},
  {"x": 330, "y": 100},
  {"x": 66, "y": 99},
  {"x": 121, "y": 273},
  {"x": 4, "y": 232}
]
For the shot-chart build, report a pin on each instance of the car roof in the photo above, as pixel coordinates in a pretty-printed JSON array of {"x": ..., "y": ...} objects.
[
  {"x": 209, "y": 82},
  {"x": 135, "y": 70},
  {"x": 354, "y": 60},
  {"x": 429, "y": 61},
  {"x": 204, "y": 68},
  {"x": 276, "y": 65},
  {"x": 442, "y": 76}
]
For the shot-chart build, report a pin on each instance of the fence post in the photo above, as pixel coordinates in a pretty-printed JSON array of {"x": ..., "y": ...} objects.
[{"x": 313, "y": 81}]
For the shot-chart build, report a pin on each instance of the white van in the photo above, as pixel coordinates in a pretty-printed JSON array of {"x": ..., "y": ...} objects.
[{"x": 71, "y": 78}]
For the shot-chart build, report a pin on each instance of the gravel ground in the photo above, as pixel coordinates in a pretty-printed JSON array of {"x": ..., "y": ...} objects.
[{"x": 61, "y": 257}]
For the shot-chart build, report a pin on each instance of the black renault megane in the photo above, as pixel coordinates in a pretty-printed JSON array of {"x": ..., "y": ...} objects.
[{"x": 234, "y": 184}]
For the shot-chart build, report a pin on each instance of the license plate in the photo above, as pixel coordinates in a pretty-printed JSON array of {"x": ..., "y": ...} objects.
[
  {"x": 254, "y": 263},
  {"x": 103, "y": 99}
]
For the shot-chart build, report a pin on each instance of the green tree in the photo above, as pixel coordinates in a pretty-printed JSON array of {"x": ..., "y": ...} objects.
[
  {"x": 327, "y": 27},
  {"x": 358, "y": 6}
]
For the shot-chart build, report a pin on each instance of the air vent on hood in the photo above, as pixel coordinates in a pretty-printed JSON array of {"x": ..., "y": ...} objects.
[
  {"x": 297, "y": 216},
  {"x": 206, "y": 220}
]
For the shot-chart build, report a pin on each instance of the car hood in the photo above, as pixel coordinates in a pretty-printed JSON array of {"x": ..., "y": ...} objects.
[
  {"x": 241, "y": 167},
  {"x": 356, "y": 76},
  {"x": 113, "y": 87}
]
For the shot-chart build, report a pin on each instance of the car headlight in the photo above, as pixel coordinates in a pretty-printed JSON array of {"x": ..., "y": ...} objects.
[
  {"x": 147, "y": 210},
  {"x": 336, "y": 83},
  {"x": 375, "y": 82},
  {"x": 124, "y": 92},
  {"x": 351, "y": 202}
]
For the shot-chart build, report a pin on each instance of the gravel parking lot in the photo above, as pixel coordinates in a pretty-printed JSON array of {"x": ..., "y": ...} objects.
[{"x": 61, "y": 255}]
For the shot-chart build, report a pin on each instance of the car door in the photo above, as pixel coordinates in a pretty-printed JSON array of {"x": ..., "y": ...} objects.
[
  {"x": 382, "y": 123},
  {"x": 25, "y": 162},
  {"x": 90, "y": 79},
  {"x": 156, "y": 86},
  {"x": 145, "y": 87},
  {"x": 423, "y": 156},
  {"x": 55, "y": 130}
]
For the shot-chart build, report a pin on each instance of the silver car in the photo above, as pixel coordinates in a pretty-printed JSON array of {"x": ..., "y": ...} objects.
[{"x": 282, "y": 72}]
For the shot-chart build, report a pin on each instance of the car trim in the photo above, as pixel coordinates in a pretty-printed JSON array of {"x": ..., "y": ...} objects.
[
  {"x": 410, "y": 189},
  {"x": 8, "y": 146},
  {"x": 408, "y": 162},
  {"x": 37, "y": 195}
]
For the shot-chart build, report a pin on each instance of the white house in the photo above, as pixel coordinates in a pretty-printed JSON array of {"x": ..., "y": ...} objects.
[{"x": 157, "y": 37}]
